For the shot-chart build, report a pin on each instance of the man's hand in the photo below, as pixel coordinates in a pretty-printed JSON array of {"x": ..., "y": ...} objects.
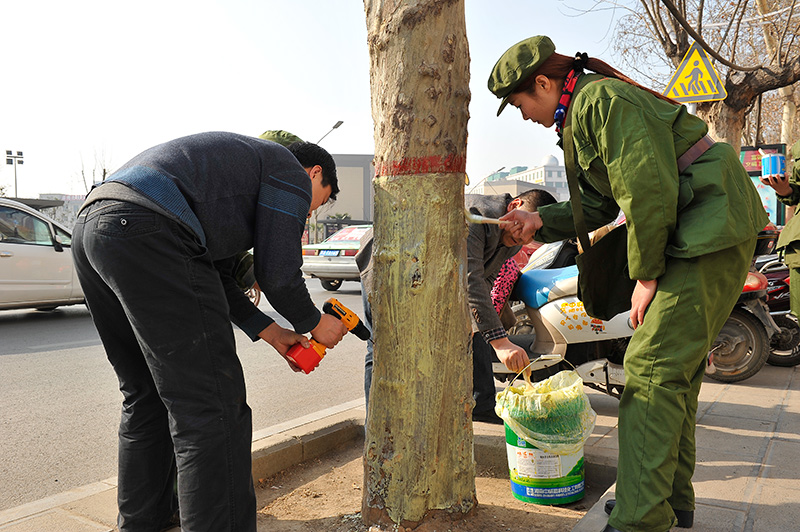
[
  {"x": 513, "y": 356},
  {"x": 282, "y": 339},
  {"x": 779, "y": 182},
  {"x": 329, "y": 331},
  {"x": 643, "y": 294},
  {"x": 522, "y": 224}
]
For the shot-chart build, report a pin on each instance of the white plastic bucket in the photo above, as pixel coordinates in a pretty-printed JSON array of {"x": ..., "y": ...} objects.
[{"x": 544, "y": 478}]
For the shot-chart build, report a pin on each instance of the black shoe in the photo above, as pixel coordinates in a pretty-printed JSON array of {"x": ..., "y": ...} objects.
[
  {"x": 609, "y": 506},
  {"x": 685, "y": 517},
  {"x": 487, "y": 417}
]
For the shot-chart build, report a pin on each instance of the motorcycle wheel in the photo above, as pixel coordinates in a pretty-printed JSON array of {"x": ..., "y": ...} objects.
[
  {"x": 254, "y": 295},
  {"x": 741, "y": 349},
  {"x": 785, "y": 346}
]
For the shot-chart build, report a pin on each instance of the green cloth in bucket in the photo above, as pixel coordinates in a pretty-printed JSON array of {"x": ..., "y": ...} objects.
[{"x": 554, "y": 414}]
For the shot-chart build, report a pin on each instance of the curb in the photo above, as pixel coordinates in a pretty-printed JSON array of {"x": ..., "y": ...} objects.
[
  {"x": 306, "y": 440},
  {"x": 93, "y": 507}
]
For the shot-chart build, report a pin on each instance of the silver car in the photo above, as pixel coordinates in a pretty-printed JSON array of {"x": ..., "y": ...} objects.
[
  {"x": 36, "y": 269},
  {"x": 334, "y": 259}
]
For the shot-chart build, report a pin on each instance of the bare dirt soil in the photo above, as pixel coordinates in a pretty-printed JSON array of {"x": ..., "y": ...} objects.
[{"x": 325, "y": 495}]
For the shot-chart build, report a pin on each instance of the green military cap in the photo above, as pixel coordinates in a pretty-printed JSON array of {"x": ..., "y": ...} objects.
[
  {"x": 284, "y": 138},
  {"x": 516, "y": 64}
]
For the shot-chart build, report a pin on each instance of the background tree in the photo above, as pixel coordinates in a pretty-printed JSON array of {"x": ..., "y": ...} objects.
[
  {"x": 753, "y": 44},
  {"x": 418, "y": 452},
  {"x": 98, "y": 172}
]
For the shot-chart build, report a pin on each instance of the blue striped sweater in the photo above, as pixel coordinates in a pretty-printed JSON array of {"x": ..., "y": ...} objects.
[{"x": 234, "y": 193}]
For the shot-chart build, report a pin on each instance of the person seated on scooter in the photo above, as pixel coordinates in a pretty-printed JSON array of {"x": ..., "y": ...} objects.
[
  {"x": 488, "y": 248},
  {"x": 692, "y": 217},
  {"x": 787, "y": 190}
]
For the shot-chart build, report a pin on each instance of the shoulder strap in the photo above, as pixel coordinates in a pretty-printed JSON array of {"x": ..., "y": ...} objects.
[{"x": 574, "y": 189}]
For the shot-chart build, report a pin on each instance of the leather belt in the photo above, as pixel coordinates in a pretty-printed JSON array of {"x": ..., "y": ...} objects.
[{"x": 691, "y": 155}]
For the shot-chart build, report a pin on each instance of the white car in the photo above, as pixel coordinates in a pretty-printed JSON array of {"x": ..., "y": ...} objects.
[
  {"x": 334, "y": 260},
  {"x": 36, "y": 269}
]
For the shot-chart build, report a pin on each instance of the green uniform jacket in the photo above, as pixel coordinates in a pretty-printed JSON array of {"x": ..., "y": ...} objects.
[
  {"x": 627, "y": 143},
  {"x": 790, "y": 235}
]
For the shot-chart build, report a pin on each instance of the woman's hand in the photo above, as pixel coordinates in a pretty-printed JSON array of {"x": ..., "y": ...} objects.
[
  {"x": 522, "y": 224},
  {"x": 513, "y": 356},
  {"x": 778, "y": 182},
  {"x": 643, "y": 294}
]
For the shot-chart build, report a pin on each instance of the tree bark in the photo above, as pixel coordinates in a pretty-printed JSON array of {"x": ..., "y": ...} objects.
[
  {"x": 418, "y": 455},
  {"x": 725, "y": 123},
  {"x": 788, "y": 114}
]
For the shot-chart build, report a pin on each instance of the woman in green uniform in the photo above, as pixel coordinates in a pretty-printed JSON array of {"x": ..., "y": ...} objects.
[
  {"x": 692, "y": 216},
  {"x": 787, "y": 189}
]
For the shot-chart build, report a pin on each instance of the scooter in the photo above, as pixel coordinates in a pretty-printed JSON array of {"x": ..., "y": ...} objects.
[
  {"x": 553, "y": 327},
  {"x": 742, "y": 347},
  {"x": 785, "y": 345}
]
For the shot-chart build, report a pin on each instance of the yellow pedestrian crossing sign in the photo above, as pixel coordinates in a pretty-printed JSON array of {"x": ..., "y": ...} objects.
[{"x": 696, "y": 79}]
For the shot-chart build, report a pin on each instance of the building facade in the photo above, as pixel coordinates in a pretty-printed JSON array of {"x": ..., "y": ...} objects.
[{"x": 550, "y": 176}]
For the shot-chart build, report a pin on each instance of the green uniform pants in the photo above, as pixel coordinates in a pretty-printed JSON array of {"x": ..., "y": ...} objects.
[
  {"x": 794, "y": 295},
  {"x": 664, "y": 366}
]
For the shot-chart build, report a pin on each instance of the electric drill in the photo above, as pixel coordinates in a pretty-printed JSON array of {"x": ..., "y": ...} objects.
[{"x": 308, "y": 358}]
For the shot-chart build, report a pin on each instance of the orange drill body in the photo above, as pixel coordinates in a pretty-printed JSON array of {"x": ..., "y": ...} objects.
[
  {"x": 350, "y": 319},
  {"x": 308, "y": 358}
]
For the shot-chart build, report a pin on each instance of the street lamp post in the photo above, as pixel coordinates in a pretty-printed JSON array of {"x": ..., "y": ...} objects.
[
  {"x": 337, "y": 124},
  {"x": 484, "y": 179},
  {"x": 15, "y": 160},
  {"x": 316, "y": 225}
]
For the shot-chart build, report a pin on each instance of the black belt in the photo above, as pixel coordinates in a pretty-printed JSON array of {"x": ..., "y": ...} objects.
[{"x": 691, "y": 155}]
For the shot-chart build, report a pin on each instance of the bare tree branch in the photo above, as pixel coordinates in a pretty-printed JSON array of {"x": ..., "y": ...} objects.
[
  {"x": 688, "y": 29},
  {"x": 700, "y": 17},
  {"x": 783, "y": 33}
]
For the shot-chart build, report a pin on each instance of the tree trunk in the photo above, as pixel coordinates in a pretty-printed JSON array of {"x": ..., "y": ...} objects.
[
  {"x": 789, "y": 111},
  {"x": 418, "y": 452},
  {"x": 725, "y": 123}
]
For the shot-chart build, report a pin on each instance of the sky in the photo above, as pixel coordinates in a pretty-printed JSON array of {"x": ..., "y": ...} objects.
[{"x": 88, "y": 84}]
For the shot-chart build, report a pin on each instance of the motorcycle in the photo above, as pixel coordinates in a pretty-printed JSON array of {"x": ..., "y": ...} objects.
[
  {"x": 742, "y": 346},
  {"x": 785, "y": 345},
  {"x": 553, "y": 327},
  {"x": 245, "y": 278}
]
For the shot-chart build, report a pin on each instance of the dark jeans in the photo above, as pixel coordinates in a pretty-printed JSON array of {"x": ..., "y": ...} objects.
[
  {"x": 483, "y": 388},
  {"x": 370, "y": 347},
  {"x": 159, "y": 307}
]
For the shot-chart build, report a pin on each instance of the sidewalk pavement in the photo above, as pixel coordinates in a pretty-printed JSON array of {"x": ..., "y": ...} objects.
[{"x": 747, "y": 477}]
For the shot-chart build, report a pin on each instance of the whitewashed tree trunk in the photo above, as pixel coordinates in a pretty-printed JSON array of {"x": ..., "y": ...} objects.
[{"x": 418, "y": 454}]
